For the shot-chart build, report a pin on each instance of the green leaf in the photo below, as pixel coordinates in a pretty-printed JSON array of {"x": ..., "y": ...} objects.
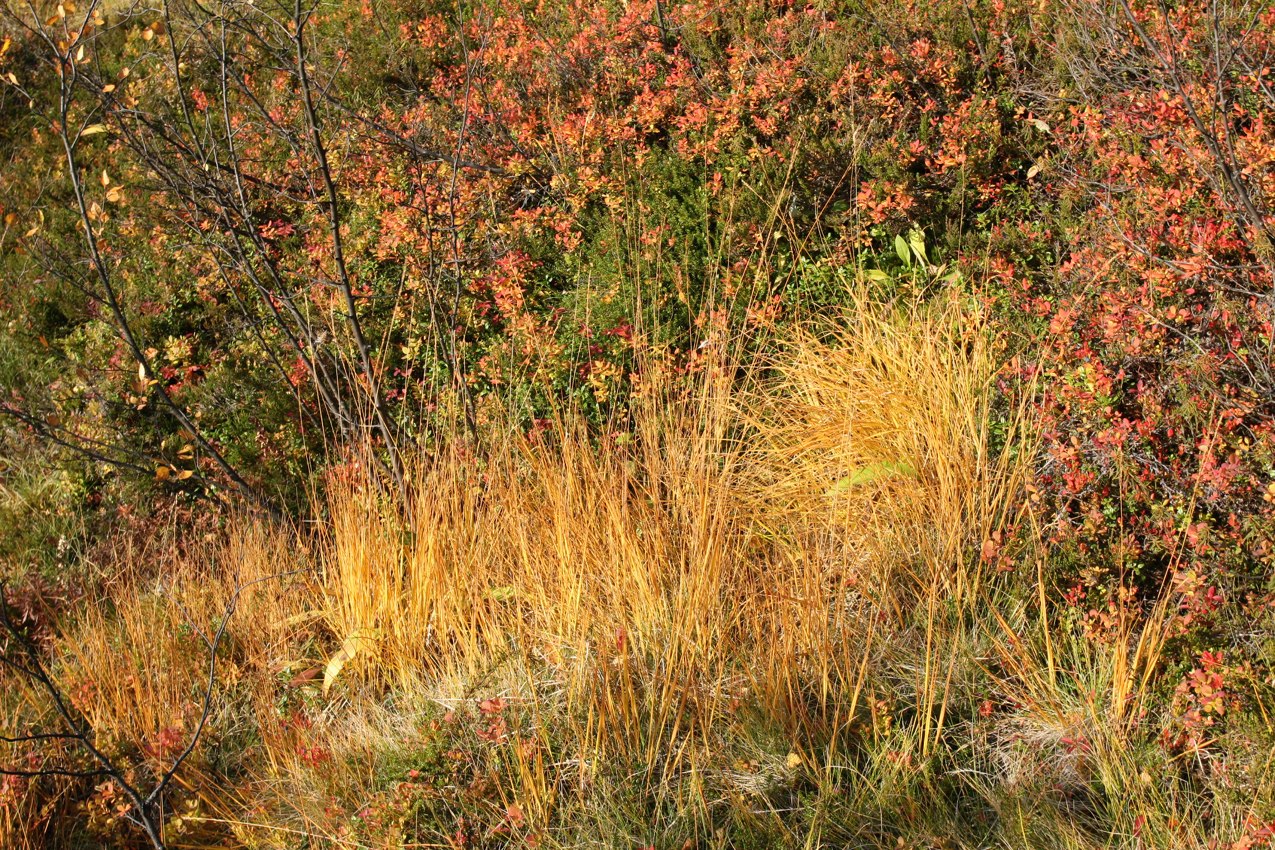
[
  {"x": 873, "y": 472},
  {"x": 916, "y": 241},
  {"x": 901, "y": 248},
  {"x": 503, "y": 593}
]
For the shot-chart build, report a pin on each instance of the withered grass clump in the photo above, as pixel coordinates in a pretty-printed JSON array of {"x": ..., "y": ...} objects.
[
  {"x": 752, "y": 548},
  {"x": 773, "y": 609}
]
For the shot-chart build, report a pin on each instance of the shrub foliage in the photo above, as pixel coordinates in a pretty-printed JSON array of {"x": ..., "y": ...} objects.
[{"x": 255, "y": 251}]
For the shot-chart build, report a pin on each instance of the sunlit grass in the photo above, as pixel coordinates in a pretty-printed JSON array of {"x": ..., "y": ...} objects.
[{"x": 770, "y": 612}]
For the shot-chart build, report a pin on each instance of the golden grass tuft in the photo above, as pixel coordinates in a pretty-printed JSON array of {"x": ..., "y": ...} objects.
[
  {"x": 742, "y": 590},
  {"x": 879, "y": 427},
  {"x": 731, "y": 545}
]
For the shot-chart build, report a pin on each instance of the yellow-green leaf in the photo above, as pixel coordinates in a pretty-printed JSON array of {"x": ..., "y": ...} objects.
[
  {"x": 916, "y": 241},
  {"x": 872, "y": 472},
  {"x": 361, "y": 641},
  {"x": 503, "y": 593}
]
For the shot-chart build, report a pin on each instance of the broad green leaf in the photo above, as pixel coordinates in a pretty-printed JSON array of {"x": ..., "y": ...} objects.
[{"x": 901, "y": 248}]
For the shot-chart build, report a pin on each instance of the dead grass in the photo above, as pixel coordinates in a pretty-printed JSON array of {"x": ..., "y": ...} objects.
[
  {"x": 734, "y": 547},
  {"x": 772, "y": 610}
]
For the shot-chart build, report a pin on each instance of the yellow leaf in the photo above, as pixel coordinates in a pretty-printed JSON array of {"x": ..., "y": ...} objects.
[
  {"x": 333, "y": 668},
  {"x": 93, "y": 130},
  {"x": 162, "y": 472},
  {"x": 12, "y": 78},
  {"x": 108, "y": 88},
  {"x": 183, "y": 474},
  {"x": 362, "y": 640},
  {"x": 186, "y": 452},
  {"x": 35, "y": 228},
  {"x": 148, "y": 34},
  {"x": 79, "y": 54},
  {"x": 106, "y": 178}
]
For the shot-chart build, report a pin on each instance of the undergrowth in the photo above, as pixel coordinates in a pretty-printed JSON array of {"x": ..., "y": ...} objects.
[{"x": 805, "y": 608}]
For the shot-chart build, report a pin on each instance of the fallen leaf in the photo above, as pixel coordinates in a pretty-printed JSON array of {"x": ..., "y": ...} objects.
[{"x": 304, "y": 676}]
